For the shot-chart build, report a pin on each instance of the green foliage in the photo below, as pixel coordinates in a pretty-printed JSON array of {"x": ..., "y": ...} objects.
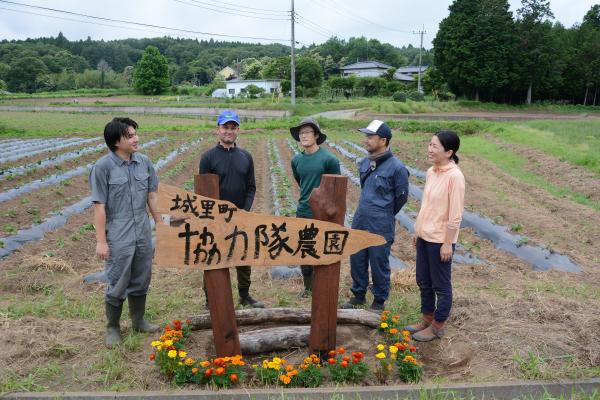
[
  {"x": 151, "y": 73},
  {"x": 416, "y": 96},
  {"x": 254, "y": 91},
  {"x": 309, "y": 73},
  {"x": 399, "y": 97}
]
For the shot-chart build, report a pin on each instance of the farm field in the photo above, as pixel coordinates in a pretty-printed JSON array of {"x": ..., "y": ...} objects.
[{"x": 538, "y": 179}]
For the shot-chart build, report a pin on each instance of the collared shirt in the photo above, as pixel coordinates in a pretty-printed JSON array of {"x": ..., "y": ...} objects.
[
  {"x": 442, "y": 204},
  {"x": 123, "y": 187}
]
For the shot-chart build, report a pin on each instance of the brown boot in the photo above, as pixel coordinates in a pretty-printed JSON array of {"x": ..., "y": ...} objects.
[
  {"x": 434, "y": 331},
  {"x": 419, "y": 326}
]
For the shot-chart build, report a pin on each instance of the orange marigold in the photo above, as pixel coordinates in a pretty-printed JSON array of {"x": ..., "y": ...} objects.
[
  {"x": 331, "y": 361},
  {"x": 220, "y": 371},
  {"x": 233, "y": 377}
]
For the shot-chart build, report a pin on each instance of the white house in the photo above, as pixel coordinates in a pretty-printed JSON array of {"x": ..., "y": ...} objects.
[{"x": 236, "y": 87}]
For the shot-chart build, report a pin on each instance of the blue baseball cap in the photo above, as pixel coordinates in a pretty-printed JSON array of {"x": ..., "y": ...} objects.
[
  {"x": 377, "y": 127},
  {"x": 227, "y": 116}
]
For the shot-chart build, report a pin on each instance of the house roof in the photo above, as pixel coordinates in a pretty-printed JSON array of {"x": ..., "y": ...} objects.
[
  {"x": 253, "y": 80},
  {"x": 366, "y": 65},
  {"x": 403, "y": 77},
  {"x": 411, "y": 69}
]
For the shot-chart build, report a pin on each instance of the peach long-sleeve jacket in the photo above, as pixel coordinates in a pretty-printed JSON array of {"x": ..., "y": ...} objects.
[{"x": 442, "y": 204}]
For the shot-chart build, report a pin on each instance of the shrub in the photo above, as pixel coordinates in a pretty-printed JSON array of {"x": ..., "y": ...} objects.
[
  {"x": 416, "y": 96},
  {"x": 399, "y": 97}
]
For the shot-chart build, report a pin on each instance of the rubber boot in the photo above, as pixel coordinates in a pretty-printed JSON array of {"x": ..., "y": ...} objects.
[
  {"x": 419, "y": 326},
  {"x": 113, "y": 328},
  {"x": 137, "y": 308}
]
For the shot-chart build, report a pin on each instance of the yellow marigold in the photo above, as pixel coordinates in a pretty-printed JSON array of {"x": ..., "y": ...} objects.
[
  {"x": 307, "y": 360},
  {"x": 409, "y": 359},
  {"x": 159, "y": 348},
  {"x": 285, "y": 379},
  {"x": 265, "y": 364},
  {"x": 393, "y": 349},
  {"x": 380, "y": 347},
  {"x": 277, "y": 360},
  {"x": 380, "y": 355},
  {"x": 405, "y": 333},
  {"x": 179, "y": 363},
  {"x": 384, "y": 325},
  {"x": 182, "y": 354},
  {"x": 168, "y": 343},
  {"x": 273, "y": 365},
  {"x": 172, "y": 353},
  {"x": 156, "y": 343},
  {"x": 204, "y": 364},
  {"x": 254, "y": 366},
  {"x": 189, "y": 361}
]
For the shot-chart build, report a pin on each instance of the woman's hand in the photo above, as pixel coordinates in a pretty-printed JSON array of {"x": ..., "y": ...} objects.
[
  {"x": 446, "y": 252},
  {"x": 102, "y": 251}
]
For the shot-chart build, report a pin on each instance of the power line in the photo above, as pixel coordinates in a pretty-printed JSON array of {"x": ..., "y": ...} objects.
[
  {"x": 221, "y": 8},
  {"x": 367, "y": 20},
  {"x": 229, "y": 12},
  {"x": 220, "y": 3},
  {"x": 320, "y": 28},
  {"x": 142, "y": 24}
]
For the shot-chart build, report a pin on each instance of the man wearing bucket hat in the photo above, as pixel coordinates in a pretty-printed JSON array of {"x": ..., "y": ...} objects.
[
  {"x": 308, "y": 166},
  {"x": 235, "y": 168},
  {"x": 384, "y": 184}
]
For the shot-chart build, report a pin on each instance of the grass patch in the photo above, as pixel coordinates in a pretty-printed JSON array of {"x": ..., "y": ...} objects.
[
  {"x": 112, "y": 370},
  {"x": 54, "y": 303},
  {"x": 576, "y": 142},
  {"x": 514, "y": 165}
]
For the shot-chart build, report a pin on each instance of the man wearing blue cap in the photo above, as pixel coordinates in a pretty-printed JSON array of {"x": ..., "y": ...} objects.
[
  {"x": 384, "y": 184},
  {"x": 235, "y": 168}
]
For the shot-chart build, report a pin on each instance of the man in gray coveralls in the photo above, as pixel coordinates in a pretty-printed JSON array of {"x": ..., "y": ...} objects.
[{"x": 123, "y": 183}]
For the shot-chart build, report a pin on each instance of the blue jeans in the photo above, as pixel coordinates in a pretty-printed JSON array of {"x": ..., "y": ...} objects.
[
  {"x": 379, "y": 259},
  {"x": 434, "y": 280}
]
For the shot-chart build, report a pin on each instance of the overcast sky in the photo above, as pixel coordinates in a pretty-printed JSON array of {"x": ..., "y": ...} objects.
[{"x": 391, "y": 21}]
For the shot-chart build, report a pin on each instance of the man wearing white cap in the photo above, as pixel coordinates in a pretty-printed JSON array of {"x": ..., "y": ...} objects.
[{"x": 384, "y": 184}]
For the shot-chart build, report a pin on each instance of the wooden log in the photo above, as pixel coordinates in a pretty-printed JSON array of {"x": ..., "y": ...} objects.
[
  {"x": 218, "y": 286},
  {"x": 328, "y": 203},
  {"x": 274, "y": 339},
  {"x": 258, "y": 316}
]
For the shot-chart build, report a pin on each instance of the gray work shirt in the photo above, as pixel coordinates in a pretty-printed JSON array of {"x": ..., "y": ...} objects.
[{"x": 123, "y": 188}]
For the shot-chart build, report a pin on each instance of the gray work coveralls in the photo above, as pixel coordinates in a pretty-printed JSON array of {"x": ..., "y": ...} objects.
[{"x": 123, "y": 188}]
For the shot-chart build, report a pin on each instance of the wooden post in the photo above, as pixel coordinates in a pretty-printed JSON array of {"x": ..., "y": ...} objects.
[
  {"x": 218, "y": 287},
  {"x": 328, "y": 203}
]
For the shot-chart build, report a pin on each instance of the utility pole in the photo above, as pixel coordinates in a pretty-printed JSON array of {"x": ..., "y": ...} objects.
[
  {"x": 293, "y": 16},
  {"x": 421, "y": 32}
]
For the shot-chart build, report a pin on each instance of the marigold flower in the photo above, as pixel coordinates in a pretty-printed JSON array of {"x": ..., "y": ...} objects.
[
  {"x": 159, "y": 348},
  {"x": 289, "y": 367},
  {"x": 219, "y": 371},
  {"x": 355, "y": 360},
  {"x": 412, "y": 349},
  {"x": 233, "y": 377},
  {"x": 179, "y": 363},
  {"x": 332, "y": 353},
  {"x": 400, "y": 346},
  {"x": 188, "y": 321},
  {"x": 182, "y": 354},
  {"x": 208, "y": 372},
  {"x": 384, "y": 325},
  {"x": 219, "y": 361},
  {"x": 168, "y": 343},
  {"x": 293, "y": 372},
  {"x": 285, "y": 379},
  {"x": 172, "y": 353},
  {"x": 346, "y": 358},
  {"x": 194, "y": 370},
  {"x": 393, "y": 349},
  {"x": 341, "y": 350},
  {"x": 204, "y": 363},
  {"x": 393, "y": 331},
  {"x": 189, "y": 362},
  {"x": 303, "y": 366},
  {"x": 156, "y": 343},
  {"x": 380, "y": 347},
  {"x": 152, "y": 357},
  {"x": 277, "y": 360},
  {"x": 331, "y": 361},
  {"x": 405, "y": 333},
  {"x": 344, "y": 364},
  {"x": 380, "y": 355}
]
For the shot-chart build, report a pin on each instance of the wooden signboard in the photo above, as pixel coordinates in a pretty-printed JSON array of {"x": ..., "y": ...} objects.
[{"x": 216, "y": 234}]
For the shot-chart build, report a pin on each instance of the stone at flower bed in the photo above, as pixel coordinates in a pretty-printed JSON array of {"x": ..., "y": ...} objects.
[{"x": 285, "y": 272}]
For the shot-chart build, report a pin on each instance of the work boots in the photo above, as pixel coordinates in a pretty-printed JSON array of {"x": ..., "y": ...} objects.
[
  {"x": 137, "y": 308},
  {"x": 113, "y": 328},
  {"x": 434, "y": 331}
]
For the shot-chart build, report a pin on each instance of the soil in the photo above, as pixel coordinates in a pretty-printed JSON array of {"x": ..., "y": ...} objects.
[{"x": 500, "y": 312}]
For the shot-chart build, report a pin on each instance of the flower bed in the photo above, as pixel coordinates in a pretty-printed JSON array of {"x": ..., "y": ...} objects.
[{"x": 394, "y": 357}]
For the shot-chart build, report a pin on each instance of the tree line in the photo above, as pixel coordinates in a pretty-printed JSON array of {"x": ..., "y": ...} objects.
[
  {"x": 56, "y": 63},
  {"x": 484, "y": 52}
]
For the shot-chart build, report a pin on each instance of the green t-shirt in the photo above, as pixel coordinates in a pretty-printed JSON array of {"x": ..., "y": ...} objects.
[{"x": 307, "y": 169}]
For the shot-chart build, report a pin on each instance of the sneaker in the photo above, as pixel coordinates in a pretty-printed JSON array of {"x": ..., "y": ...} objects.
[
  {"x": 305, "y": 294},
  {"x": 249, "y": 301},
  {"x": 354, "y": 302},
  {"x": 378, "y": 306}
]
